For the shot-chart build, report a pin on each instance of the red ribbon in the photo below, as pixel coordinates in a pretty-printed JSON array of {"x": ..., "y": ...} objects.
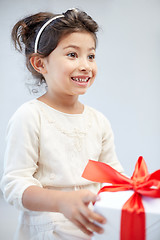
[{"x": 141, "y": 182}]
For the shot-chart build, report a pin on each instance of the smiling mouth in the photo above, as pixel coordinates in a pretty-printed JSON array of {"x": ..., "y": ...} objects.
[{"x": 76, "y": 79}]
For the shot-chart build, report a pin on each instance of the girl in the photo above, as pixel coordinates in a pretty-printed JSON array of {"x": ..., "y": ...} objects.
[{"x": 51, "y": 139}]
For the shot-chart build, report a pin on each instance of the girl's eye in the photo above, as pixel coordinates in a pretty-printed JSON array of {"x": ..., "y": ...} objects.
[
  {"x": 72, "y": 55},
  {"x": 91, "y": 57}
]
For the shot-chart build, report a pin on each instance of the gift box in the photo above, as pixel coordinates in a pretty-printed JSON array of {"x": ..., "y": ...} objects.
[
  {"x": 110, "y": 206},
  {"x": 130, "y": 205}
]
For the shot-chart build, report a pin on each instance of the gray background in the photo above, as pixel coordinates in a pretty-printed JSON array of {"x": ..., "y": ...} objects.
[{"x": 127, "y": 86}]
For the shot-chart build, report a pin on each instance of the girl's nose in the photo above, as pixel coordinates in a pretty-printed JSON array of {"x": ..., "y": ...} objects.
[{"x": 84, "y": 66}]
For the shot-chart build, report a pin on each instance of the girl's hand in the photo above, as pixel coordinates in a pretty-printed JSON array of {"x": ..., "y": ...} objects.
[{"x": 74, "y": 206}]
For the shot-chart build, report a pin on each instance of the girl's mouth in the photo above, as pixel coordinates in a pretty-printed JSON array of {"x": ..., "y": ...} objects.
[{"x": 80, "y": 79}]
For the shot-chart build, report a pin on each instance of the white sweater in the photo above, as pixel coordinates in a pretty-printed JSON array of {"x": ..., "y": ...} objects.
[{"x": 50, "y": 149}]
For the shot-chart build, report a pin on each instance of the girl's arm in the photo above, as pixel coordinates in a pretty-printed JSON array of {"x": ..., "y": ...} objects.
[{"x": 74, "y": 206}]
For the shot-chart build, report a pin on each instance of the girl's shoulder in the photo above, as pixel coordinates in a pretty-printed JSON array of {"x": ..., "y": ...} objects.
[
  {"x": 97, "y": 115},
  {"x": 25, "y": 119},
  {"x": 27, "y": 111}
]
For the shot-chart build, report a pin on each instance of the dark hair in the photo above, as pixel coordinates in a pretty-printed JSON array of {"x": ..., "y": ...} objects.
[{"x": 25, "y": 31}]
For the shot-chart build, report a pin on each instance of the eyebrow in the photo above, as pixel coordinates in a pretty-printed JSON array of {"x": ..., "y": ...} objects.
[{"x": 76, "y": 47}]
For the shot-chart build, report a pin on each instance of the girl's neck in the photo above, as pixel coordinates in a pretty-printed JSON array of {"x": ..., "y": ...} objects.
[{"x": 68, "y": 104}]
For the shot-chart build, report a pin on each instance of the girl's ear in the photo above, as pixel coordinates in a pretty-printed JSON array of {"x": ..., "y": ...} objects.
[{"x": 38, "y": 64}]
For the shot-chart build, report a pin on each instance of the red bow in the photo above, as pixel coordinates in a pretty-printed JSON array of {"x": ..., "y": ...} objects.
[{"x": 141, "y": 182}]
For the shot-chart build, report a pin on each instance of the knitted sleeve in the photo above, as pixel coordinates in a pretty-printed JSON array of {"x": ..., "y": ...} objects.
[
  {"x": 21, "y": 155},
  {"x": 108, "y": 153}
]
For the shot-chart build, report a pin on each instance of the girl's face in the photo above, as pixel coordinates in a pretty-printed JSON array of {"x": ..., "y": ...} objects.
[{"x": 71, "y": 68}]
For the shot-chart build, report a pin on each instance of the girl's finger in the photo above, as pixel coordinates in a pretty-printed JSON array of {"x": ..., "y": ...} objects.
[
  {"x": 83, "y": 228},
  {"x": 90, "y": 197},
  {"x": 88, "y": 214},
  {"x": 89, "y": 224}
]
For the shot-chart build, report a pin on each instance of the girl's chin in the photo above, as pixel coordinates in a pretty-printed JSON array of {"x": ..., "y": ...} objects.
[{"x": 82, "y": 91}]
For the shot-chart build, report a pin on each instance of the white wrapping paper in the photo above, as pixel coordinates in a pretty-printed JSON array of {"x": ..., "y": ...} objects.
[{"x": 110, "y": 205}]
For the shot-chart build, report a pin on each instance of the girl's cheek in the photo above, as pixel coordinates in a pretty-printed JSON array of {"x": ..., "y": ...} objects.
[{"x": 95, "y": 71}]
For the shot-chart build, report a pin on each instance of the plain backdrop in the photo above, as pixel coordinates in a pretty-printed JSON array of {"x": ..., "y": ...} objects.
[{"x": 127, "y": 86}]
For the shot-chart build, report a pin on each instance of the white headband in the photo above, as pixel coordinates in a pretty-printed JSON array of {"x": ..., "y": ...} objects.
[{"x": 41, "y": 30}]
